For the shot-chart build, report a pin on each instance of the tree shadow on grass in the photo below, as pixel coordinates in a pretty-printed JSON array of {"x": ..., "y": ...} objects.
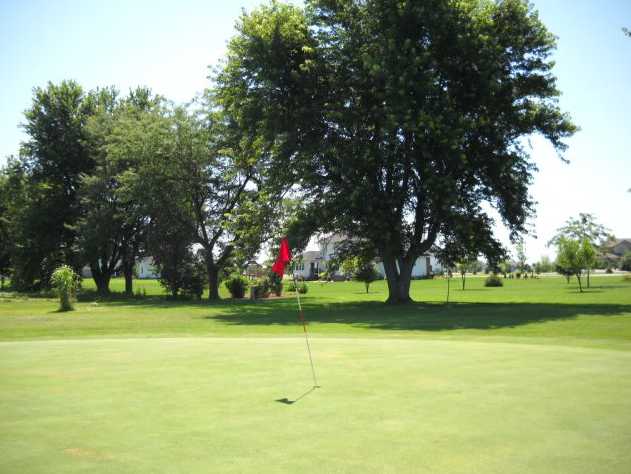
[{"x": 416, "y": 316}]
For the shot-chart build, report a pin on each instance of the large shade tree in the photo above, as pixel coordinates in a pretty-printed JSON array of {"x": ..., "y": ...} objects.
[
  {"x": 52, "y": 161},
  {"x": 112, "y": 223},
  {"x": 198, "y": 190},
  {"x": 396, "y": 121}
]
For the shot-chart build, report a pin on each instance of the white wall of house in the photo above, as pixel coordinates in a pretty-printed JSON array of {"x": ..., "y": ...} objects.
[
  {"x": 145, "y": 268},
  {"x": 86, "y": 272},
  {"x": 309, "y": 263},
  {"x": 425, "y": 265},
  {"x": 315, "y": 261}
]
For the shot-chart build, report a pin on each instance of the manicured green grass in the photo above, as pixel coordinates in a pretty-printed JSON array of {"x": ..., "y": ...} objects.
[
  {"x": 531, "y": 377},
  {"x": 547, "y": 308}
]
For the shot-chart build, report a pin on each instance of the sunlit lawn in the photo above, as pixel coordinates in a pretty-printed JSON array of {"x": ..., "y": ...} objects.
[{"x": 531, "y": 377}]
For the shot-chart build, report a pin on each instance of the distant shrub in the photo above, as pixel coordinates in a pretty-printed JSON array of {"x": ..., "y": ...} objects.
[
  {"x": 493, "y": 280},
  {"x": 609, "y": 270},
  {"x": 302, "y": 287},
  {"x": 627, "y": 278},
  {"x": 275, "y": 283},
  {"x": 236, "y": 284},
  {"x": 261, "y": 287},
  {"x": 65, "y": 281},
  {"x": 193, "y": 281}
]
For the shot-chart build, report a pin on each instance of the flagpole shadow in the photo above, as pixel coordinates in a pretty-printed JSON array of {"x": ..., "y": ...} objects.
[{"x": 287, "y": 401}]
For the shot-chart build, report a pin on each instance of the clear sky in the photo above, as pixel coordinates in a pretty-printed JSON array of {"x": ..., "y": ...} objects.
[{"x": 168, "y": 46}]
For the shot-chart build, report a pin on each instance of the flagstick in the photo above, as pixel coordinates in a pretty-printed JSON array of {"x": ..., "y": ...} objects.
[{"x": 304, "y": 327}]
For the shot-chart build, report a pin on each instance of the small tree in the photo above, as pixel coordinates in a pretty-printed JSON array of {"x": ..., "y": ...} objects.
[
  {"x": 561, "y": 270},
  {"x": 588, "y": 253},
  {"x": 464, "y": 267},
  {"x": 574, "y": 256},
  {"x": 522, "y": 266},
  {"x": 545, "y": 265},
  {"x": 237, "y": 285},
  {"x": 366, "y": 273},
  {"x": 584, "y": 227},
  {"x": 349, "y": 266},
  {"x": 65, "y": 281},
  {"x": 505, "y": 268}
]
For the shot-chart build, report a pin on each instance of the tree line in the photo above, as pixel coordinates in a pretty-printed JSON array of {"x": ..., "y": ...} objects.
[
  {"x": 391, "y": 123},
  {"x": 105, "y": 179}
]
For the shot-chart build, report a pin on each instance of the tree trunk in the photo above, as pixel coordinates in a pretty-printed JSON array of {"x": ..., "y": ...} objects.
[
  {"x": 129, "y": 282},
  {"x": 448, "y": 280},
  {"x": 367, "y": 285},
  {"x": 128, "y": 260},
  {"x": 399, "y": 278},
  {"x": 588, "y": 278},
  {"x": 463, "y": 279},
  {"x": 213, "y": 282},
  {"x": 578, "y": 277},
  {"x": 102, "y": 283}
]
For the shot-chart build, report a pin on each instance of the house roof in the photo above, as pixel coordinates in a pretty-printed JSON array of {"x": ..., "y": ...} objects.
[
  {"x": 310, "y": 255},
  {"x": 614, "y": 242}
]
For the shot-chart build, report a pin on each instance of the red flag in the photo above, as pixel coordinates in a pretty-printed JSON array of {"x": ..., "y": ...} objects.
[{"x": 284, "y": 257}]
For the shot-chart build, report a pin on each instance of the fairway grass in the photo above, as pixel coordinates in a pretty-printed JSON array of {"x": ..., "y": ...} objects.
[
  {"x": 199, "y": 405},
  {"x": 531, "y": 377}
]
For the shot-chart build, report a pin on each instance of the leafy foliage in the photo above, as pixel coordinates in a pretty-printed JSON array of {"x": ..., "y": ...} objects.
[
  {"x": 190, "y": 179},
  {"x": 574, "y": 256},
  {"x": 237, "y": 285},
  {"x": 300, "y": 286},
  {"x": 366, "y": 273},
  {"x": 112, "y": 226},
  {"x": 395, "y": 121},
  {"x": 493, "y": 281},
  {"x": 65, "y": 281},
  {"x": 275, "y": 283},
  {"x": 585, "y": 226},
  {"x": 46, "y": 179}
]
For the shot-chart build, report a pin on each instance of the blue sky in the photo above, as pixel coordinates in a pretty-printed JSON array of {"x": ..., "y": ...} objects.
[{"x": 168, "y": 46}]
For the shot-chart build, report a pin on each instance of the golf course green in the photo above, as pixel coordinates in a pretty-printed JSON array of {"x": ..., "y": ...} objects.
[{"x": 530, "y": 377}]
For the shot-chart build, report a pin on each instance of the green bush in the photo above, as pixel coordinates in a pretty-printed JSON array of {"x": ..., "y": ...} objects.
[
  {"x": 65, "y": 282},
  {"x": 302, "y": 287},
  {"x": 261, "y": 287},
  {"x": 275, "y": 283},
  {"x": 236, "y": 285},
  {"x": 493, "y": 280},
  {"x": 194, "y": 280}
]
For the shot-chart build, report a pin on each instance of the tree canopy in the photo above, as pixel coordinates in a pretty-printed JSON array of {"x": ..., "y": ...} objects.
[{"x": 395, "y": 121}]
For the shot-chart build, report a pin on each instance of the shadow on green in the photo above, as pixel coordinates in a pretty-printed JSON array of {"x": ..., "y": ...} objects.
[{"x": 416, "y": 316}]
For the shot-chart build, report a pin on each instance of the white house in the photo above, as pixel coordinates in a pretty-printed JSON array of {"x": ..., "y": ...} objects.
[
  {"x": 424, "y": 266},
  {"x": 145, "y": 269},
  {"x": 313, "y": 262}
]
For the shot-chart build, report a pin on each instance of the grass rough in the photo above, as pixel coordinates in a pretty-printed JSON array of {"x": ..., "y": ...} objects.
[{"x": 531, "y": 377}]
